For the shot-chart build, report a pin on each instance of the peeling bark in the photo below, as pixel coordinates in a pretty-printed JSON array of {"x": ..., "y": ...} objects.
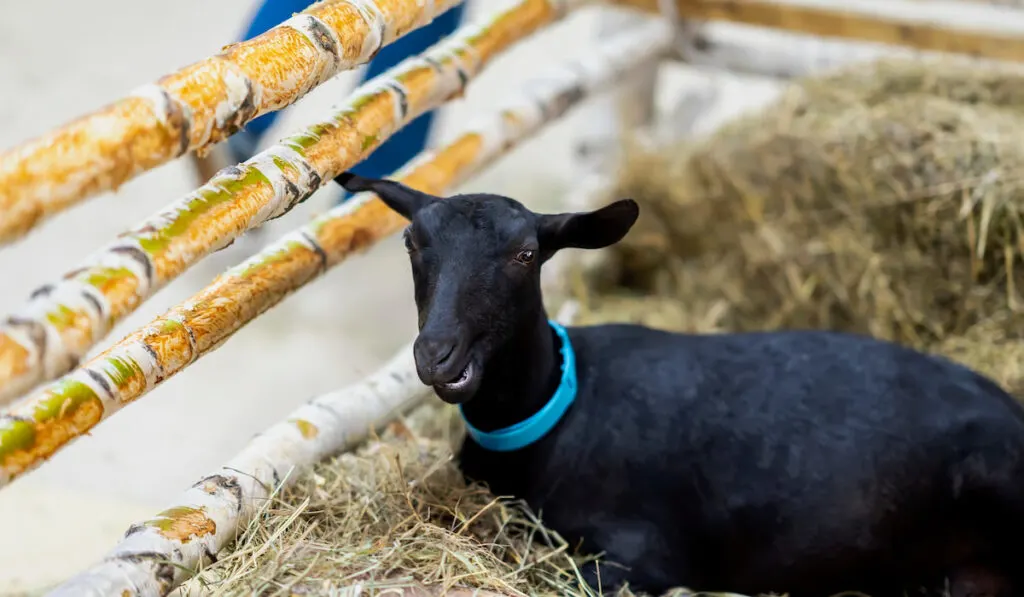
[
  {"x": 157, "y": 555},
  {"x": 200, "y": 104},
  {"x": 76, "y": 312}
]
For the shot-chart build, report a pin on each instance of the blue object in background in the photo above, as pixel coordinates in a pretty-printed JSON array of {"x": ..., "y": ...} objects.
[{"x": 400, "y": 147}]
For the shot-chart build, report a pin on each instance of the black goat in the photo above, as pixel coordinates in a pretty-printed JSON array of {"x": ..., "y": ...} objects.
[{"x": 807, "y": 462}]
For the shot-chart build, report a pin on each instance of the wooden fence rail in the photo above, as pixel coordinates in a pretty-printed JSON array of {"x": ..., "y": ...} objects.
[
  {"x": 158, "y": 554},
  {"x": 198, "y": 105},
  {"x": 35, "y": 428},
  {"x": 48, "y": 336},
  {"x": 989, "y": 32},
  {"x": 207, "y": 101}
]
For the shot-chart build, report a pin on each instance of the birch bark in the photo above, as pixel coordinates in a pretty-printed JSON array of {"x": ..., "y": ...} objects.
[
  {"x": 157, "y": 555},
  {"x": 62, "y": 321},
  {"x": 196, "y": 106}
]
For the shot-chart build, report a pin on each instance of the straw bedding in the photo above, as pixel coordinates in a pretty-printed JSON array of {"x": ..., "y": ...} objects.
[{"x": 883, "y": 199}]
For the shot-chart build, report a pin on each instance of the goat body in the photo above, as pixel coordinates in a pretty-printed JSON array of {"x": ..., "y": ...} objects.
[{"x": 806, "y": 462}]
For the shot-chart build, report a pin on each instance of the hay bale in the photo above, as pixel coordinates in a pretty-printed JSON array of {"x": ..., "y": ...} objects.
[{"x": 881, "y": 199}]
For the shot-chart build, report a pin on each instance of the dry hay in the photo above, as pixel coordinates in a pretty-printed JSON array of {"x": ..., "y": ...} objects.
[
  {"x": 394, "y": 518},
  {"x": 393, "y": 515},
  {"x": 882, "y": 200}
]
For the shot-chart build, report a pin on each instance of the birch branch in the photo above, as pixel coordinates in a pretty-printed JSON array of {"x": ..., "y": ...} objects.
[
  {"x": 626, "y": 112},
  {"x": 976, "y": 30},
  {"x": 773, "y": 53},
  {"x": 196, "y": 106},
  {"x": 157, "y": 555},
  {"x": 779, "y": 54},
  {"x": 47, "y": 337},
  {"x": 37, "y": 427},
  {"x": 1007, "y": 3}
]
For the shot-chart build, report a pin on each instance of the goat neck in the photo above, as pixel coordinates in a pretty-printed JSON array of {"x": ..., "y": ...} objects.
[{"x": 519, "y": 379}]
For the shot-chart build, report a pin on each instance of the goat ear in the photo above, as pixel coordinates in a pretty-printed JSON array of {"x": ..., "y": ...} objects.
[
  {"x": 587, "y": 230},
  {"x": 399, "y": 197}
]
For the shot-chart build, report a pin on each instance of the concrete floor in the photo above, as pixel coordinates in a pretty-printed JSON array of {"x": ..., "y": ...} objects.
[{"x": 64, "y": 516}]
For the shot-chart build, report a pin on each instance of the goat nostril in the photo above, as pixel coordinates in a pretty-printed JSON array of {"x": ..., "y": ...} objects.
[
  {"x": 448, "y": 353},
  {"x": 434, "y": 353}
]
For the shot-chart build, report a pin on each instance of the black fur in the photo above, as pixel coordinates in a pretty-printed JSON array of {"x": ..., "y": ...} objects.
[{"x": 807, "y": 462}]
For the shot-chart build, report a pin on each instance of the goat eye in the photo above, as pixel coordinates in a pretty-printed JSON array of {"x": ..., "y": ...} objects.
[
  {"x": 409, "y": 246},
  {"x": 525, "y": 257}
]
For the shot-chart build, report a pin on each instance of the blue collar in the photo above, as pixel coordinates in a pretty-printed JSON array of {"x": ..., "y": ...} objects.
[{"x": 526, "y": 432}]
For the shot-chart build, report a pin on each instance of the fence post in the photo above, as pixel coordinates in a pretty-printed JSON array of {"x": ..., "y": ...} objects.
[
  {"x": 615, "y": 115},
  {"x": 612, "y": 118}
]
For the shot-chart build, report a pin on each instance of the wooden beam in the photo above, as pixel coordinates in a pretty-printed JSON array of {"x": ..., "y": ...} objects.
[
  {"x": 48, "y": 335},
  {"x": 981, "y": 31},
  {"x": 157, "y": 555},
  {"x": 44, "y": 422},
  {"x": 196, "y": 106}
]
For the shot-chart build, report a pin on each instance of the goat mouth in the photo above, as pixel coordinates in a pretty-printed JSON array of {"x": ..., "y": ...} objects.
[{"x": 463, "y": 380}]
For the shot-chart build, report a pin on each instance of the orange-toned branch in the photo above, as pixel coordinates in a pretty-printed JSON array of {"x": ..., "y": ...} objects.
[
  {"x": 47, "y": 336},
  {"x": 157, "y": 554},
  {"x": 198, "y": 105},
  {"x": 48, "y": 420}
]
